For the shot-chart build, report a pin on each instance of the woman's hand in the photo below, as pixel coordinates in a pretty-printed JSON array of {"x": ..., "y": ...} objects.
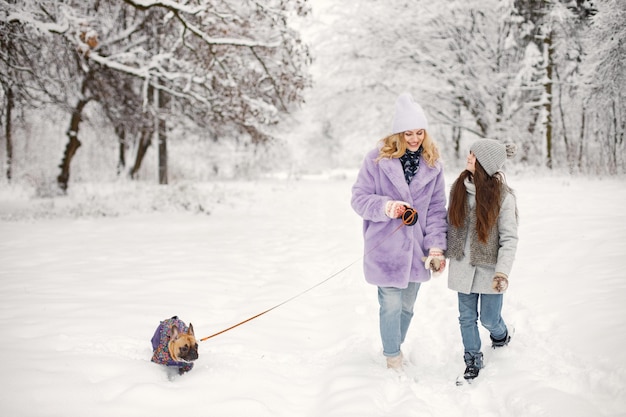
[
  {"x": 435, "y": 261},
  {"x": 395, "y": 209}
]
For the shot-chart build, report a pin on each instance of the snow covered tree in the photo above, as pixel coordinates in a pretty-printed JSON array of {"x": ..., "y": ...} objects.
[
  {"x": 10, "y": 70},
  {"x": 550, "y": 32},
  {"x": 604, "y": 116},
  {"x": 462, "y": 60},
  {"x": 458, "y": 59},
  {"x": 501, "y": 63},
  {"x": 230, "y": 66},
  {"x": 238, "y": 64},
  {"x": 25, "y": 72},
  {"x": 533, "y": 71}
]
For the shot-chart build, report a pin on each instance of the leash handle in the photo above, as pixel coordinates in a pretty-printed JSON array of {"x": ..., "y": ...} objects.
[{"x": 409, "y": 217}]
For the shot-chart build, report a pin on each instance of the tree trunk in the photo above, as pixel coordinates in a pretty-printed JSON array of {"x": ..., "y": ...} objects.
[
  {"x": 9, "y": 138},
  {"x": 72, "y": 145},
  {"x": 161, "y": 136},
  {"x": 568, "y": 151},
  {"x": 456, "y": 132},
  {"x": 162, "y": 152},
  {"x": 144, "y": 142},
  {"x": 547, "y": 99},
  {"x": 72, "y": 133},
  {"x": 581, "y": 139},
  {"x": 614, "y": 141},
  {"x": 121, "y": 134}
]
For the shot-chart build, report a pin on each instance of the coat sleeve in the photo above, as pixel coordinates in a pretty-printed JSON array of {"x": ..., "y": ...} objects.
[
  {"x": 365, "y": 202},
  {"x": 436, "y": 229},
  {"x": 507, "y": 227}
]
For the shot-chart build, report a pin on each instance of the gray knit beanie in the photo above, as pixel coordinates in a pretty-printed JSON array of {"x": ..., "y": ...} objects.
[
  {"x": 409, "y": 115},
  {"x": 492, "y": 154}
]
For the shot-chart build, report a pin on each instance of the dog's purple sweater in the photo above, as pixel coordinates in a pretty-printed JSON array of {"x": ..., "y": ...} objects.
[{"x": 160, "y": 342}]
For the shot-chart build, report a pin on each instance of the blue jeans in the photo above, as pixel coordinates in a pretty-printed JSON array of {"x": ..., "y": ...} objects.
[
  {"x": 396, "y": 312},
  {"x": 490, "y": 318}
]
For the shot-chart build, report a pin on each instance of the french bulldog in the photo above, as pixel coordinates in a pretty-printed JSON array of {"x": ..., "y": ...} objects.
[{"x": 174, "y": 344}]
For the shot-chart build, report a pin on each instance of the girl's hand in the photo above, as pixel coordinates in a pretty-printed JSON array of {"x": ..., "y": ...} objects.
[{"x": 500, "y": 282}]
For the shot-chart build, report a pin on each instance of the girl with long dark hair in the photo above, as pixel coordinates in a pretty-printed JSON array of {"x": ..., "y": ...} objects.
[{"x": 482, "y": 241}]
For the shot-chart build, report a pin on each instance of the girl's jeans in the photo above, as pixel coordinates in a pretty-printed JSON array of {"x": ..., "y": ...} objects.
[
  {"x": 396, "y": 311},
  {"x": 490, "y": 318}
]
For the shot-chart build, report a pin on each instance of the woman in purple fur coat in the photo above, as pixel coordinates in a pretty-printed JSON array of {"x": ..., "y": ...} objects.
[{"x": 403, "y": 171}]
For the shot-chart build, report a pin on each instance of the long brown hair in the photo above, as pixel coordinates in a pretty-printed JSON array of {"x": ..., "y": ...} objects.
[
  {"x": 394, "y": 146},
  {"x": 489, "y": 191}
]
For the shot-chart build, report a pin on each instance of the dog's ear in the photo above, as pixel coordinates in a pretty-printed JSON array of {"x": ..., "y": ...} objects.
[
  {"x": 175, "y": 333},
  {"x": 190, "y": 331}
]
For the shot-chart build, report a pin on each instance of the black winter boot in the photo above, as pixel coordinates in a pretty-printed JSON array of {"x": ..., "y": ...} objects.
[
  {"x": 473, "y": 365},
  {"x": 498, "y": 343}
]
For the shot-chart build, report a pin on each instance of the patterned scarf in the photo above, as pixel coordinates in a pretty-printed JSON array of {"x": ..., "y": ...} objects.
[{"x": 411, "y": 163}]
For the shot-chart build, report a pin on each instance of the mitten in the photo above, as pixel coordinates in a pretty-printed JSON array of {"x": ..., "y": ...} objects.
[
  {"x": 500, "y": 282},
  {"x": 395, "y": 209},
  {"x": 435, "y": 261}
]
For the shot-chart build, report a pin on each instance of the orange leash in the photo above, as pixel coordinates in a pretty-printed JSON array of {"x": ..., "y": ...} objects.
[
  {"x": 408, "y": 219},
  {"x": 284, "y": 302}
]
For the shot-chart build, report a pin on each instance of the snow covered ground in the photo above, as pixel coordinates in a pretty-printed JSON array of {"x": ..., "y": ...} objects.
[{"x": 81, "y": 295}]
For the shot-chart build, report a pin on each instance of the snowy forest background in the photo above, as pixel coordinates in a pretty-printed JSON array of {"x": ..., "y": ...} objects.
[
  {"x": 236, "y": 88},
  {"x": 195, "y": 157}
]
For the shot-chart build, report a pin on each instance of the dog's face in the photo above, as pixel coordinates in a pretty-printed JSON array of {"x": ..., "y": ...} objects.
[{"x": 183, "y": 346}]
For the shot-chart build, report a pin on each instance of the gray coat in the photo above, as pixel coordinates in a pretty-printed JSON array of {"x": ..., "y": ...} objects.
[{"x": 467, "y": 278}]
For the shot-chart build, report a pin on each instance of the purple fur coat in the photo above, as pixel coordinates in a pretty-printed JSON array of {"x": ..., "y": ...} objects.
[{"x": 396, "y": 260}]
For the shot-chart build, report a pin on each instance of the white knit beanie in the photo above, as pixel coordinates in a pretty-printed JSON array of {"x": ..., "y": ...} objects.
[
  {"x": 492, "y": 154},
  {"x": 409, "y": 115}
]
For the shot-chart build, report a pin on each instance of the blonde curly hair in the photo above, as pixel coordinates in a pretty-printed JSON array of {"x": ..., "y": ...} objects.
[{"x": 394, "y": 146}]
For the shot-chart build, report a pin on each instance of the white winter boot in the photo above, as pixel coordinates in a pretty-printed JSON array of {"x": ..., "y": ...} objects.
[{"x": 395, "y": 362}]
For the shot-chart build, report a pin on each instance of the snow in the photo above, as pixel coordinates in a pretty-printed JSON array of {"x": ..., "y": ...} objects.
[{"x": 81, "y": 295}]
